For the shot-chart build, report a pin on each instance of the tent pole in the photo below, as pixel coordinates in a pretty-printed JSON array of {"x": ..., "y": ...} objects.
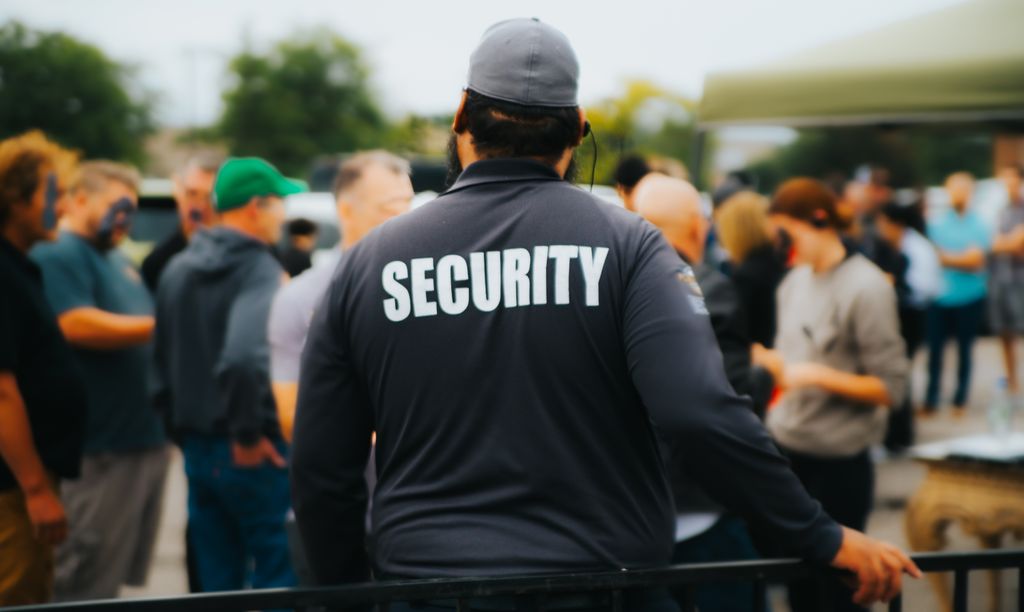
[{"x": 697, "y": 157}]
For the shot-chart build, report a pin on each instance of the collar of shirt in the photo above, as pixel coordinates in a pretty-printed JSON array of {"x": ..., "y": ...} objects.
[
  {"x": 20, "y": 259},
  {"x": 507, "y": 170},
  {"x": 80, "y": 238},
  {"x": 952, "y": 216}
]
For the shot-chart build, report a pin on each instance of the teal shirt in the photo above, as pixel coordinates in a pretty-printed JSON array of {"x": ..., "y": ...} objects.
[
  {"x": 121, "y": 416},
  {"x": 955, "y": 234}
]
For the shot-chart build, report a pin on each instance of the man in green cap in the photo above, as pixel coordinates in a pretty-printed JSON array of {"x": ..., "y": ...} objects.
[{"x": 212, "y": 359}]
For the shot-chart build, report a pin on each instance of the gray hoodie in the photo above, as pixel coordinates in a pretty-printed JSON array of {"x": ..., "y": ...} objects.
[{"x": 212, "y": 357}]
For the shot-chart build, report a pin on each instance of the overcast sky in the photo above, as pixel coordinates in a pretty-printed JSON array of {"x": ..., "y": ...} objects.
[{"x": 418, "y": 50}]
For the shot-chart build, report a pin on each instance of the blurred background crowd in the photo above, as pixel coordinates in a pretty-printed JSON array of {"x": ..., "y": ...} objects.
[{"x": 115, "y": 196}]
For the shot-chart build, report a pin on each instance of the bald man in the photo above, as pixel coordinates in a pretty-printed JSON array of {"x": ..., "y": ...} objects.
[
  {"x": 675, "y": 208},
  {"x": 704, "y": 533}
]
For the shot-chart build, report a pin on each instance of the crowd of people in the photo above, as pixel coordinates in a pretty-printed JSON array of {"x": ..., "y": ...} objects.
[
  {"x": 954, "y": 275},
  {"x": 520, "y": 378}
]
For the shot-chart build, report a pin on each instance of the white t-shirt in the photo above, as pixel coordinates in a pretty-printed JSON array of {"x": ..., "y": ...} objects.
[
  {"x": 924, "y": 272},
  {"x": 291, "y": 313},
  {"x": 692, "y": 524}
]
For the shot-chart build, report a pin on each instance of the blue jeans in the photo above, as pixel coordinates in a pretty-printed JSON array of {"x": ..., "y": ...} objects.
[
  {"x": 236, "y": 518},
  {"x": 962, "y": 322},
  {"x": 727, "y": 540}
]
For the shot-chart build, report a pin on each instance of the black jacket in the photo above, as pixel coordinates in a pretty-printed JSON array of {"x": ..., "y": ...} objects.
[
  {"x": 49, "y": 379},
  {"x": 730, "y": 327},
  {"x": 212, "y": 356},
  {"x": 154, "y": 263},
  {"x": 514, "y": 344},
  {"x": 729, "y": 322},
  {"x": 756, "y": 279}
]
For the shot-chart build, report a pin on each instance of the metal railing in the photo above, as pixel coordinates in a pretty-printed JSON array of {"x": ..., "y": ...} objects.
[{"x": 535, "y": 590}]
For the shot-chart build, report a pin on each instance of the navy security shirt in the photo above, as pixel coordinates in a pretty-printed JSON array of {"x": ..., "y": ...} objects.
[
  {"x": 121, "y": 416},
  {"x": 49, "y": 380},
  {"x": 516, "y": 344}
]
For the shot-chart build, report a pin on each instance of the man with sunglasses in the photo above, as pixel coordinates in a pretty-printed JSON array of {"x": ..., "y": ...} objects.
[
  {"x": 106, "y": 314},
  {"x": 193, "y": 198}
]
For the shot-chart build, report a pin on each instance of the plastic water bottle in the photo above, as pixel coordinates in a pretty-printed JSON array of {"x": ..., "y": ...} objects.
[{"x": 1000, "y": 411}]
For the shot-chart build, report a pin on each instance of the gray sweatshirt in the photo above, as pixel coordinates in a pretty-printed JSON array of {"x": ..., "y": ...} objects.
[
  {"x": 845, "y": 319},
  {"x": 212, "y": 357}
]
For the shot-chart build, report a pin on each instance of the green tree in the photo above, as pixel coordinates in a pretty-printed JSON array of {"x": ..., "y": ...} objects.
[
  {"x": 71, "y": 91},
  {"x": 913, "y": 156},
  {"x": 645, "y": 119},
  {"x": 307, "y": 97},
  {"x": 420, "y": 135}
]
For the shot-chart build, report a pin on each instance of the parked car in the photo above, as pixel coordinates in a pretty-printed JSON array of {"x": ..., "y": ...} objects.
[{"x": 156, "y": 219}]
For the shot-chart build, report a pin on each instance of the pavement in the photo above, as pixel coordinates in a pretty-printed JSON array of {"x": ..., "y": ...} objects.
[{"x": 898, "y": 478}]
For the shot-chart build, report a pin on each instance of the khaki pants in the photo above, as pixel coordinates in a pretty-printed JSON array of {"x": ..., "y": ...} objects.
[{"x": 26, "y": 565}]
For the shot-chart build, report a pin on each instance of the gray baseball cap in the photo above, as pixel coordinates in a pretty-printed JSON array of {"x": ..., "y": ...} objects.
[{"x": 525, "y": 62}]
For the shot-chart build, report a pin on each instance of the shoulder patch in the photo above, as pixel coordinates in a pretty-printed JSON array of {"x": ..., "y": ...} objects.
[{"x": 684, "y": 274}]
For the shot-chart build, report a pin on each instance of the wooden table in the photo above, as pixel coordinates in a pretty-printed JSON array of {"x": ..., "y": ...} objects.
[{"x": 977, "y": 482}]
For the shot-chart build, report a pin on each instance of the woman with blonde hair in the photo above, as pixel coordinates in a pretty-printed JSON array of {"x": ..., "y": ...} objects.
[{"x": 742, "y": 228}]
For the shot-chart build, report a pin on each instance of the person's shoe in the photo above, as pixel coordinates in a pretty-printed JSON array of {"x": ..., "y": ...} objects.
[
  {"x": 925, "y": 412},
  {"x": 959, "y": 412}
]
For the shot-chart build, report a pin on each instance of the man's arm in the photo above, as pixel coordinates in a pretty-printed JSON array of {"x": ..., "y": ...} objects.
[
  {"x": 70, "y": 289},
  {"x": 883, "y": 358},
  {"x": 242, "y": 370},
  {"x": 971, "y": 260},
  {"x": 333, "y": 427},
  {"x": 19, "y": 453},
  {"x": 732, "y": 456},
  {"x": 1011, "y": 243},
  {"x": 286, "y": 396},
  {"x": 862, "y": 388},
  {"x": 729, "y": 323},
  {"x": 92, "y": 328},
  {"x": 286, "y": 332}
]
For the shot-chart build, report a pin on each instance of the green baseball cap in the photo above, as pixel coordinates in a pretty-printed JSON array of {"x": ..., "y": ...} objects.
[{"x": 240, "y": 179}]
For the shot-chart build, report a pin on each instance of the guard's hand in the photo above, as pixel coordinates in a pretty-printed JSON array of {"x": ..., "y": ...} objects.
[
  {"x": 46, "y": 513},
  {"x": 878, "y": 567},
  {"x": 255, "y": 455}
]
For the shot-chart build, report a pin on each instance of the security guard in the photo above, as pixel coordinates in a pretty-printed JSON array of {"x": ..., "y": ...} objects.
[{"x": 514, "y": 344}]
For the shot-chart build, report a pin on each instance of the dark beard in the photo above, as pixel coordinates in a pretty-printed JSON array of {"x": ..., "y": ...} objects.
[
  {"x": 455, "y": 165},
  {"x": 103, "y": 242},
  {"x": 572, "y": 171}
]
